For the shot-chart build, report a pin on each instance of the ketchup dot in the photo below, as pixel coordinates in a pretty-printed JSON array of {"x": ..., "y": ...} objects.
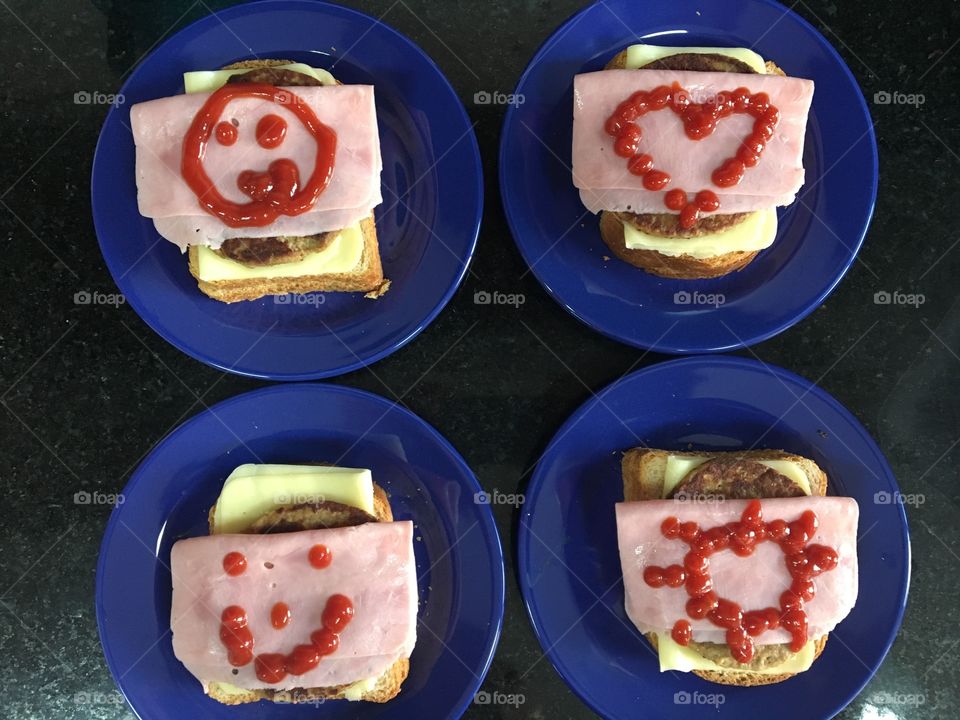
[
  {"x": 326, "y": 641},
  {"x": 682, "y": 633},
  {"x": 226, "y": 133},
  {"x": 301, "y": 659},
  {"x": 271, "y": 667},
  {"x": 234, "y": 563},
  {"x": 280, "y": 615},
  {"x": 337, "y": 613},
  {"x": 271, "y": 130},
  {"x": 675, "y": 199},
  {"x": 655, "y": 180},
  {"x": 640, "y": 164},
  {"x": 320, "y": 556}
]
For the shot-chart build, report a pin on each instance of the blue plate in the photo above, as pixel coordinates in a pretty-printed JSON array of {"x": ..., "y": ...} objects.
[
  {"x": 427, "y": 224},
  {"x": 459, "y": 559},
  {"x": 570, "y": 567},
  {"x": 820, "y": 233}
]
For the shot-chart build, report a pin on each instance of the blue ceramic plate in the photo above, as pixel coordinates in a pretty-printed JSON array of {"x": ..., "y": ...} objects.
[
  {"x": 570, "y": 568},
  {"x": 427, "y": 224},
  {"x": 459, "y": 560},
  {"x": 820, "y": 233}
]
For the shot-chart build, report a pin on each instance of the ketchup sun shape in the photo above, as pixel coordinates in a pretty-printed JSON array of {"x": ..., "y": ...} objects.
[
  {"x": 804, "y": 561},
  {"x": 274, "y": 192},
  {"x": 272, "y": 668},
  {"x": 699, "y": 121}
]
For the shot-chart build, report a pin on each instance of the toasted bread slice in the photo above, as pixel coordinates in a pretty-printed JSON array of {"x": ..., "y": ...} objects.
[
  {"x": 681, "y": 267},
  {"x": 643, "y": 472},
  {"x": 367, "y": 277},
  {"x": 311, "y": 517}
]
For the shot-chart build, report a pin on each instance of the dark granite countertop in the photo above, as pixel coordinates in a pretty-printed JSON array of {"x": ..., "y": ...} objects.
[{"x": 88, "y": 389}]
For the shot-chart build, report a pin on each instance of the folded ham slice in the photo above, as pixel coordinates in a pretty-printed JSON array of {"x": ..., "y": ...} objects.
[
  {"x": 606, "y": 184},
  {"x": 755, "y": 582},
  {"x": 354, "y": 189},
  {"x": 373, "y": 565}
]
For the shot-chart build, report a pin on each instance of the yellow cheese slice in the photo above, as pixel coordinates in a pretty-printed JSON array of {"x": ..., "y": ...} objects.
[
  {"x": 640, "y": 55},
  {"x": 254, "y": 490},
  {"x": 677, "y": 657},
  {"x": 757, "y": 232},
  {"x": 210, "y": 80},
  {"x": 342, "y": 255}
]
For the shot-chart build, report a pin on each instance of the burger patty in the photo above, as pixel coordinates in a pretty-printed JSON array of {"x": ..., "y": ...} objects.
[
  {"x": 736, "y": 479},
  {"x": 259, "y": 252},
  {"x": 262, "y": 252},
  {"x": 668, "y": 224},
  {"x": 310, "y": 516}
]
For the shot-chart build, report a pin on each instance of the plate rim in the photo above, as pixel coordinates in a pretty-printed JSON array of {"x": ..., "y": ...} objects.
[
  {"x": 487, "y": 520},
  {"x": 662, "y": 345},
  {"x": 143, "y": 311},
  {"x": 537, "y": 481}
]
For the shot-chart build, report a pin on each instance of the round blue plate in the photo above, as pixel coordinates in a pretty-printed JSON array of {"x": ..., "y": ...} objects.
[
  {"x": 459, "y": 559},
  {"x": 427, "y": 224},
  {"x": 820, "y": 233},
  {"x": 570, "y": 567}
]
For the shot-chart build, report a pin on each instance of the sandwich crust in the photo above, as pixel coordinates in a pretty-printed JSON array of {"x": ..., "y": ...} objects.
[
  {"x": 311, "y": 517},
  {"x": 681, "y": 267},
  {"x": 735, "y": 475}
]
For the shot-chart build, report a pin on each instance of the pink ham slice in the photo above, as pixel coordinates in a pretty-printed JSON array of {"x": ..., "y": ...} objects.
[
  {"x": 373, "y": 565},
  {"x": 754, "y": 582},
  {"x": 606, "y": 184},
  {"x": 354, "y": 190}
]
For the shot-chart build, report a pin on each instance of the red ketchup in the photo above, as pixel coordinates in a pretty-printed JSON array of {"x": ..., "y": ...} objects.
[
  {"x": 280, "y": 615},
  {"x": 234, "y": 564},
  {"x": 272, "y": 668},
  {"x": 804, "y": 561},
  {"x": 226, "y": 133},
  {"x": 320, "y": 556},
  {"x": 699, "y": 121},
  {"x": 271, "y": 129},
  {"x": 279, "y": 190}
]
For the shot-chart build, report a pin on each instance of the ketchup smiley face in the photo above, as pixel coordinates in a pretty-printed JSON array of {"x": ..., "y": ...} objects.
[
  {"x": 804, "y": 561},
  {"x": 279, "y": 190}
]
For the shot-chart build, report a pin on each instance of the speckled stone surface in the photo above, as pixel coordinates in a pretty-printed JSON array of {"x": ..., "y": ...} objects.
[{"x": 87, "y": 390}]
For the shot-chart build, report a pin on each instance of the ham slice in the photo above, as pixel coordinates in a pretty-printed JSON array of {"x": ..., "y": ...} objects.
[
  {"x": 754, "y": 582},
  {"x": 606, "y": 184},
  {"x": 373, "y": 565},
  {"x": 354, "y": 190}
]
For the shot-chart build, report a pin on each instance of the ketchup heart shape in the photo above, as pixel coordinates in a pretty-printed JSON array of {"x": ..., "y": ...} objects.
[
  {"x": 804, "y": 561},
  {"x": 699, "y": 121}
]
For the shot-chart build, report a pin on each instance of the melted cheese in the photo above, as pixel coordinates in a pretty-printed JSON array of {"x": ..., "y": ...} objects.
[
  {"x": 677, "y": 657},
  {"x": 210, "y": 80},
  {"x": 757, "y": 232},
  {"x": 254, "y": 490},
  {"x": 640, "y": 55},
  {"x": 342, "y": 255}
]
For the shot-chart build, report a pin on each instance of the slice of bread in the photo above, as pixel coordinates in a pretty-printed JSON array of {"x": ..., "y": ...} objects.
[
  {"x": 311, "y": 517},
  {"x": 682, "y": 267},
  {"x": 643, "y": 471},
  {"x": 366, "y": 277}
]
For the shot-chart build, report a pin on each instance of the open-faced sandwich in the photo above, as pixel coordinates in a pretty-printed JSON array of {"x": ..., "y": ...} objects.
[
  {"x": 266, "y": 174},
  {"x": 736, "y": 566},
  {"x": 686, "y": 153},
  {"x": 305, "y": 590}
]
